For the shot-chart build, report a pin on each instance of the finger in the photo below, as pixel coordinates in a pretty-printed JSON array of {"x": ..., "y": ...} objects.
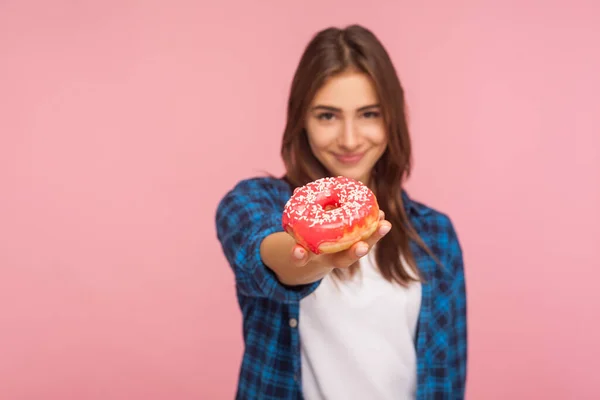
[
  {"x": 383, "y": 229},
  {"x": 300, "y": 256},
  {"x": 348, "y": 257},
  {"x": 381, "y": 215},
  {"x": 360, "y": 249}
]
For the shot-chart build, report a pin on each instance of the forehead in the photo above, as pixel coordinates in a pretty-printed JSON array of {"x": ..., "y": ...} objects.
[{"x": 348, "y": 91}]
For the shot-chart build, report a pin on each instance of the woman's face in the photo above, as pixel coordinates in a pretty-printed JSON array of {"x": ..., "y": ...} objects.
[{"x": 345, "y": 128}]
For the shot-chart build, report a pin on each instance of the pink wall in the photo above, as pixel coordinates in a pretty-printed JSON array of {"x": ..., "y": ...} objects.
[{"x": 123, "y": 122}]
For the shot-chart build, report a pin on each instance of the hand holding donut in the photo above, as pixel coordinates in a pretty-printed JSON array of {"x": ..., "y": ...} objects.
[
  {"x": 344, "y": 258},
  {"x": 334, "y": 221}
]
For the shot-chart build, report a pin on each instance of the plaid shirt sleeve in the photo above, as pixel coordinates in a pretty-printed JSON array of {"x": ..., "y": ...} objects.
[
  {"x": 246, "y": 215},
  {"x": 458, "y": 336}
]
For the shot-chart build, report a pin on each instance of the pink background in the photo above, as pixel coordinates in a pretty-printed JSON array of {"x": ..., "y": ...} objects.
[{"x": 122, "y": 123}]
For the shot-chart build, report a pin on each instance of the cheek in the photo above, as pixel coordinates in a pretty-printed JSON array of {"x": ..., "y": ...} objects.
[
  {"x": 320, "y": 137},
  {"x": 376, "y": 135},
  {"x": 314, "y": 142}
]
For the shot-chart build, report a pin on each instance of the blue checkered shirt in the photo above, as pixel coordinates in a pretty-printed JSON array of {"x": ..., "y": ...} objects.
[{"x": 270, "y": 366}]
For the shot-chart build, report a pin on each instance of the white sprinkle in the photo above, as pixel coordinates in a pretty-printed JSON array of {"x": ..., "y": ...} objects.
[{"x": 352, "y": 198}]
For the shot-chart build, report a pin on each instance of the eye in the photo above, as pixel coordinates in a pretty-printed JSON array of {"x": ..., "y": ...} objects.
[
  {"x": 326, "y": 116},
  {"x": 371, "y": 114}
]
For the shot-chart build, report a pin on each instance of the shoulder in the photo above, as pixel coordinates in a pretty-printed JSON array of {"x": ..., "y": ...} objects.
[
  {"x": 427, "y": 215},
  {"x": 261, "y": 183},
  {"x": 265, "y": 190},
  {"x": 435, "y": 227}
]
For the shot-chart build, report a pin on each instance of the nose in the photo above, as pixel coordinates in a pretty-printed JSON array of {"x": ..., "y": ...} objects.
[{"x": 349, "y": 138}]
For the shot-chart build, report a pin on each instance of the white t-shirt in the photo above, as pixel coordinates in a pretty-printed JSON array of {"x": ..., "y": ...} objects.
[{"x": 357, "y": 337}]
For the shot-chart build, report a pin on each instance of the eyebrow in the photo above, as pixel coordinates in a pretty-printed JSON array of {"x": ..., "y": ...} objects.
[{"x": 335, "y": 109}]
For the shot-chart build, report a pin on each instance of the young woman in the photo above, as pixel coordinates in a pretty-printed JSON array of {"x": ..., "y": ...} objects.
[{"x": 385, "y": 319}]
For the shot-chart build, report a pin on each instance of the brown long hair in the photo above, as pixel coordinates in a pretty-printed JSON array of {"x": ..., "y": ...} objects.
[{"x": 330, "y": 52}]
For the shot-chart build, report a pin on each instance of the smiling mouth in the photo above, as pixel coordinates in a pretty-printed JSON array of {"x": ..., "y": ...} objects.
[{"x": 349, "y": 158}]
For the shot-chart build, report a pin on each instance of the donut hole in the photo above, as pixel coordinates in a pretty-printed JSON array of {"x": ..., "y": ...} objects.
[
  {"x": 330, "y": 207},
  {"x": 329, "y": 203}
]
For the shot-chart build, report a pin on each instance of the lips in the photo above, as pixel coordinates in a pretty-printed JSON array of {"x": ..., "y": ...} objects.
[{"x": 349, "y": 158}]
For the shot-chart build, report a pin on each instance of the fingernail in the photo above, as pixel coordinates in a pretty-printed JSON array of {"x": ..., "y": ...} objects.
[
  {"x": 361, "y": 250},
  {"x": 299, "y": 253},
  {"x": 384, "y": 229}
]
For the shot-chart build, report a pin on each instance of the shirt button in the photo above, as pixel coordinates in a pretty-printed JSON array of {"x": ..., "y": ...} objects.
[{"x": 293, "y": 322}]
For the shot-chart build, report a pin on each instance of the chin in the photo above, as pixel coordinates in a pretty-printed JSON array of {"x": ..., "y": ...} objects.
[{"x": 356, "y": 175}]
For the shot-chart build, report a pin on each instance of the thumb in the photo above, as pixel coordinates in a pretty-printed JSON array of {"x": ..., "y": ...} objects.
[{"x": 300, "y": 256}]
